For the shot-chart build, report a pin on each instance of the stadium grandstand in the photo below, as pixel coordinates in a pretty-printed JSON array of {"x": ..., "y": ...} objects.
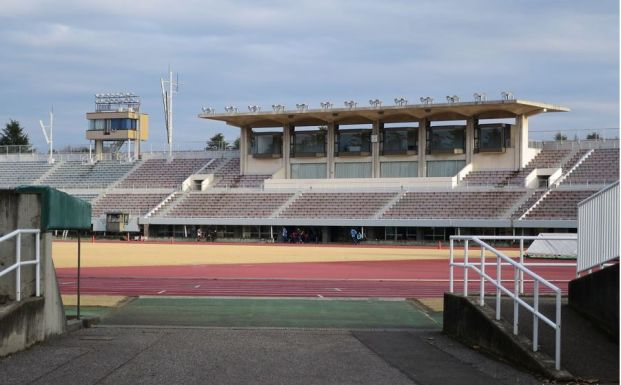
[{"x": 402, "y": 173}]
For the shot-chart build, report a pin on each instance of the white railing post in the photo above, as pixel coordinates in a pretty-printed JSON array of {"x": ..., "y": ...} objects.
[
  {"x": 516, "y": 292},
  {"x": 38, "y": 264},
  {"x": 536, "y": 316},
  {"x": 482, "y": 291},
  {"x": 498, "y": 284},
  {"x": 558, "y": 331},
  {"x": 451, "y": 267},
  {"x": 521, "y": 263},
  {"x": 18, "y": 272},
  {"x": 466, "y": 268}
]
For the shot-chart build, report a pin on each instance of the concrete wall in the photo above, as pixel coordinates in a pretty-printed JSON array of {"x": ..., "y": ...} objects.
[
  {"x": 596, "y": 296},
  {"x": 33, "y": 319}
]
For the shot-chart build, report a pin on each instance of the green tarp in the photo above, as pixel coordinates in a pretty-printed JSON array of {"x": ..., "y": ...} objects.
[{"x": 59, "y": 210}]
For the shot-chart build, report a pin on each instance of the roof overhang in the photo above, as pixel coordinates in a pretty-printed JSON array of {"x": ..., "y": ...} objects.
[{"x": 499, "y": 109}]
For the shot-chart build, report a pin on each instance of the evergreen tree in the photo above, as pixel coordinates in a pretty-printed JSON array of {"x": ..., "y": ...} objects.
[
  {"x": 217, "y": 142},
  {"x": 236, "y": 144},
  {"x": 13, "y": 135},
  {"x": 593, "y": 136},
  {"x": 560, "y": 137}
]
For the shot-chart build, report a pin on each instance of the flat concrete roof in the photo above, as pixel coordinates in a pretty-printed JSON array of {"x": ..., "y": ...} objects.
[{"x": 495, "y": 109}]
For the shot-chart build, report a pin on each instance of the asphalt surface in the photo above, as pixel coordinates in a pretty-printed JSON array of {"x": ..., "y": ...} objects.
[{"x": 139, "y": 355}]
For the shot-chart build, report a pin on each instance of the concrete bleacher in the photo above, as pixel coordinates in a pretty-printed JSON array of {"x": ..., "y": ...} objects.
[
  {"x": 76, "y": 174},
  {"x": 528, "y": 203},
  {"x": 134, "y": 203},
  {"x": 601, "y": 167},
  {"x": 337, "y": 204},
  {"x": 228, "y": 177},
  {"x": 232, "y": 205},
  {"x": 161, "y": 173},
  {"x": 13, "y": 174},
  {"x": 491, "y": 204},
  {"x": 559, "y": 204}
]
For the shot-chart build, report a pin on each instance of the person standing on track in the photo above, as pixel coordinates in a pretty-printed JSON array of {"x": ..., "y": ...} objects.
[{"x": 354, "y": 235}]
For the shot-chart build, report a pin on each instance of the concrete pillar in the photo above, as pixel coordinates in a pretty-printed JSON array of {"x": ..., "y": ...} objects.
[
  {"x": 521, "y": 145},
  {"x": 244, "y": 148},
  {"x": 98, "y": 149},
  {"x": 330, "y": 149},
  {"x": 375, "y": 148},
  {"x": 145, "y": 231},
  {"x": 470, "y": 123},
  {"x": 422, "y": 148},
  {"x": 286, "y": 149},
  {"x": 419, "y": 234},
  {"x": 325, "y": 234}
]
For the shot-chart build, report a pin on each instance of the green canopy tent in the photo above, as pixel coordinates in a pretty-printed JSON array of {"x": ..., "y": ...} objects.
[{"x": 61, "y": 211}]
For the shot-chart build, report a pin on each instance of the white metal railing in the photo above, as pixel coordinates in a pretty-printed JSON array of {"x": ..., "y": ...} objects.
[
  {"x": 17, "y": 266},
  {"x": 520, "y": 270}
]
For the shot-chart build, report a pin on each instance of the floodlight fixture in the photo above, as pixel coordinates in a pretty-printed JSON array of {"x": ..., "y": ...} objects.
[
  {"x": 254, "y": 108},
  {"x": 375, "y": 103},
  {"x": 452, "y": 99},
  {"x": 426, "y": 100},
  {"x": 278, "y": 107},
  {"x": 302, "y": 107},
  {"x": 351, "y": 104},
  {"x": 480, "y": 97},
  {"x": 401, "y": 101},
  {"x": 326, "y": 105},
  {"x": 209, "y": 110},
  {"x": 231, "y": 109},
  {"x": 507, "y": 95}
]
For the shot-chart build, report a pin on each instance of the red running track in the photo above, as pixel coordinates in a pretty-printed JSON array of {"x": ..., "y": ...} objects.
[{"x": 385, "y": 279}]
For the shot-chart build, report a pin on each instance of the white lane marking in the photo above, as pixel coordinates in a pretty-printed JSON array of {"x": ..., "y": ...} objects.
[
  {"x": 67, "y": 283},
  {"x": 337, "y": 289},
  {"x": 160, "y": 292},
  {"x": 197, "y": 286},
  {"x": 319, "y": 295}
]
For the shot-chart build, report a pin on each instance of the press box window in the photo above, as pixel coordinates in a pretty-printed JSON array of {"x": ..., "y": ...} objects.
[
  {"x": 446, "y": 140},
  {"x": 308, "y": 144},
  {"x": 266, "y": 145},
  {"x": 354, "y": 142},
  {"x": 400, "y": 141},
  {"x": 492, "y": 137}
]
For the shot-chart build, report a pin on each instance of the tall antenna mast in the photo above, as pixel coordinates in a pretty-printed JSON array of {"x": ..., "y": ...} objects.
[
  {"x": 49, "y": 138},
  {"x": 169, "y": 87}
]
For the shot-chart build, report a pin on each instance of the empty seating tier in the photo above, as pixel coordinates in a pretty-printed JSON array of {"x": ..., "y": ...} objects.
[
  {"x": 337, "y": 205},
  {"x": 75, "y": 174},
  {"x": 487, "y": 178},
  {"x": 228, "y": 177},
  {"x": 601, "y": 167},
  {"x": 13, "y": 174},
  {"x": 134, "y": 204},
  {"x": 228, "y": 205},
  {"x": 454, "y": 204},
  {"x": 559, "y": 204},
  {"x": 160, "y": 173},
  {"x": 545, "y": 159},
  {"x": 532, "y": 199}
]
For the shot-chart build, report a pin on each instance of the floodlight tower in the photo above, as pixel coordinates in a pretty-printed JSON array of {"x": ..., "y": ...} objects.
[
  {"x": 49, "y": 138},
  {"x": 169, "y": 87}
]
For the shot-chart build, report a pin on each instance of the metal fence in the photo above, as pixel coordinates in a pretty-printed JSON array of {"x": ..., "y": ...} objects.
[
  {"x": 598, "y": 228},
  {"x": 17, "y": 266},
  {"x": 520, "y": 269}
]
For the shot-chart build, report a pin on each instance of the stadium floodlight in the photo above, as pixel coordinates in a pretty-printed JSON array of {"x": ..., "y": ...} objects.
[
  {"x": 452, "y": 99},
  {"x": 401, "y": 101},
  {"x": 507, "y": 95},
  {"x": 302, "y": 107},
  {"x": 426, "y": 100},
  {"x": 208, "y": 110},
  {"x": 351, "y": 104},
  {"x": 375, "y": 103},
  {"x": 480, "y": 97},
  {"x": 326, "y": 105},
  {"x": 231, "y": 109},
  {"x": 278, "y": 107},
  {"x": 254, "y": 108}
]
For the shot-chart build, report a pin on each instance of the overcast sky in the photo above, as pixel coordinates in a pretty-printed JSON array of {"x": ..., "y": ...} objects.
[{"x": 62, "y": 52}]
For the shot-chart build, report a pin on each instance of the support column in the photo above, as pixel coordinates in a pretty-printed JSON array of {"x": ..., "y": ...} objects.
[
  {"x": 375, "y": 149},
  {"x": 244, "y": 143},
  {"x": 98, "y": 149},
  {"x": 422, "y": 148},
  {"x": 286, "y": 149},
  {"x": 325, "y": 234},
  {"x": 330, "y": 149},
  {"x": 521, "y": 143},
  {"x": 470, "y": 123}
]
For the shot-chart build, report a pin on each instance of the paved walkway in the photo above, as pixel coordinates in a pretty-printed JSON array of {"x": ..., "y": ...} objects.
[{"x": 259, "y": 341}]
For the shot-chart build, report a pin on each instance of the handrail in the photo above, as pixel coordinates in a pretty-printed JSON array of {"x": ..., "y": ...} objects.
[
  {"x": 518, "y": 284},
  {"x": 19, "y": 263}
]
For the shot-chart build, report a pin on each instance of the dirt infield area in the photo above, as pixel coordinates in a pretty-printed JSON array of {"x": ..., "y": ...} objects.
[{"x": 108, "y": 254}]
